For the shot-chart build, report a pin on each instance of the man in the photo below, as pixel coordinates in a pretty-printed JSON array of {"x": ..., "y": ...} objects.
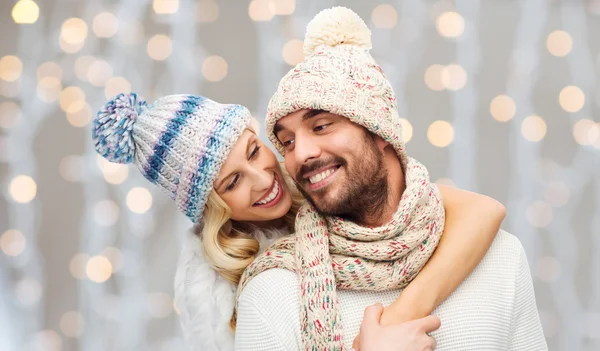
[{"x": 334, "y": 119}]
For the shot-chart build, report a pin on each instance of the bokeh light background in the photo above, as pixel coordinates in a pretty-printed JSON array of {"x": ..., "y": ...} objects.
[{"x": 497, "y": 96}]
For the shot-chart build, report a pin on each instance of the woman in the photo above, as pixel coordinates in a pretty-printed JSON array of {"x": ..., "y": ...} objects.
[{"x": 221, "y": 176}]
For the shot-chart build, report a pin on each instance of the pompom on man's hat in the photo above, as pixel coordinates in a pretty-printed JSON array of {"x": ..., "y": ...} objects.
[
  {"x": 339, "y": 75},
  {"x": 179, "y": 142}
]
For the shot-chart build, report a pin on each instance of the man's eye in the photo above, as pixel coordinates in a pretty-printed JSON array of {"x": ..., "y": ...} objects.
[{"x": 321, "y": 127}]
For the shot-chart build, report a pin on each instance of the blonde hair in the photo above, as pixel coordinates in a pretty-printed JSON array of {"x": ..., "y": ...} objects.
[{"x": 229, "y": 245}]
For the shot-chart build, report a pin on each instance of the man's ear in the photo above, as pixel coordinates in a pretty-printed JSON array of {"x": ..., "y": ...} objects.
[{"x": 381, "y": 143}]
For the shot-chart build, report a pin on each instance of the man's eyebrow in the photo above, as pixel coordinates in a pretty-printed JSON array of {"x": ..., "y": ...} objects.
[
  {"x": 308, "y": 115},
  {"x": 312, "y": 113}
]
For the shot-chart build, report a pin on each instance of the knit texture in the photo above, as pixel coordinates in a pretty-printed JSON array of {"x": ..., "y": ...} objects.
[
  {"x": 494, "y": 308},
  {"x": 330, "y": 252},
  {"x": 340, "y": 76},
  {"x": 178, "y": 143}
]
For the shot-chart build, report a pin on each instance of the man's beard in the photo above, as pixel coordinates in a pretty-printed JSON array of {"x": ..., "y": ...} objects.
[{"x": 365, "y": 191}]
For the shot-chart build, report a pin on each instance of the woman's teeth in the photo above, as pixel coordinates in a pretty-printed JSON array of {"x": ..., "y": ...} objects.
[
  {"x": 271, "y": 196},
  {"x": 319, "y": 177}
]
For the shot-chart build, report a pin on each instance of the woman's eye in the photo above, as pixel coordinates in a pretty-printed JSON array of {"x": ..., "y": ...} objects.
[
  {"x": 233, "y": 183},
  {"x": 254, "y": 152},
  {"x": 288, "y": 142}
]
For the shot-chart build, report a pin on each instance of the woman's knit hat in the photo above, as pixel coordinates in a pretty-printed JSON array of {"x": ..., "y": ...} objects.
[
  {"x": 179, "y": 142},
  {"x": 340, "y": 76}
]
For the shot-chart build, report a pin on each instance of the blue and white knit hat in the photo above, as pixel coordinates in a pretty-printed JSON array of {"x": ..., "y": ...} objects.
[{"x": 179, "y": 142}]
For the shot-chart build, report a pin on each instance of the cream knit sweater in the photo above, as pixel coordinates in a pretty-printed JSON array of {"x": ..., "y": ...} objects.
[{"x": 493, "y": 309}]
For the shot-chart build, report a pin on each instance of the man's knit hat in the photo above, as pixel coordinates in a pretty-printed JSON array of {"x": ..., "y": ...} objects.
[
  {"x": 179, "y": 142},
  {"x": 340, "y": 76}
]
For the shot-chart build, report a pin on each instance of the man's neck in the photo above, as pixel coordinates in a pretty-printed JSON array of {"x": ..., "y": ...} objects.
[{"x": 396, "y": 186}]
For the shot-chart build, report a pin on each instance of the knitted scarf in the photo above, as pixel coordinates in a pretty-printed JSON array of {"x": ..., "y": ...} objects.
[{"x": 329, "y": 253}]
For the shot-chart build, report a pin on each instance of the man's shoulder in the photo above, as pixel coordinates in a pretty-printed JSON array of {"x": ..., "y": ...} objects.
[
  {"x": 506, "y": 247},
  {"x": 276, "y": 284}
]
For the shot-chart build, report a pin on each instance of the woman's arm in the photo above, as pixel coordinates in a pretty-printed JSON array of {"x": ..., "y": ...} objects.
[{"x": 472, "y": 222}]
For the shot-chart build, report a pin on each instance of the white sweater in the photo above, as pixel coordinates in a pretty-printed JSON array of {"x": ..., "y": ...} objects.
[{"x": 493, "y": 309}]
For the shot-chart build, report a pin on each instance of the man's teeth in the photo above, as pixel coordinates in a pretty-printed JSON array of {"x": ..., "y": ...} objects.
[
  {"x": 319, "y": 177},
  {"x": 271, "y": 196}
]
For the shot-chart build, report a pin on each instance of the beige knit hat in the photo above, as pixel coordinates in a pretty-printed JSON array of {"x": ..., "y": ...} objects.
[{"x": 340, "y": 76}]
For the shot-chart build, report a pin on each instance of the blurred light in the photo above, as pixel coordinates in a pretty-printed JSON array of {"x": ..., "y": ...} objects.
[
  {"x": 550, "y": 323},
  {"x": 293, "y": 52},
  {"x": 98, "y": 269},
  {"x": 70, "y": 168},
  {"x": 82, "y": 66},
  {"x": 106, "y": 213},
  {"x": 25, "y": 12},
  {"x": 23, "y": 188},
  {"x": 453, "y": 77},
  {"x": 163, "y": 7},
  {"x": 28, "y": 291},
  {"x": 115, "y": 257},
  {"x": 159, "y": 47},
  {"x": 99, "y": 73},
  {"x": 74, "y": 31},
  {"x": 559, "y": 43},
  {"x": 72, "y": 324},
  {"x": 114, "y": 173},
  {"x": 105, "y": 25},
  {"x": 49, "y": 69},
  {"x": 78, "y": 265},
  {"x": 548, "y": 269},
  {"x": 12, "y": 242},
  {"x": 79, "y": 114},
  {"x": 69, "y": 96},
  {"x": 47, "y": 340},
  {"x": 207, "y": 11},
  {"x": 214, "y": 68},
  {"x": 571, "y": 98},
  {"x": 283, "y": 7},
  {"x": 10, "y": 89},
  {"x": 11, "y": 68},
  {"x": 539, "y": 214},
  {"x": 533, "y": 128},
  {"x": 260, "y": 10},
  {"x": 597, "y": 142},
  {"x": 407, "y": 130},
  {"x": 433, "y": 77},
  {"x": 503, "y": 108},
  {"x": 131, "y": 32},
  {"x": 440, "y": 133},
  {"x": 69, "y": 48},
  {"x": 450, "y": 24},
  {"x": 116, "y": 85},
  {"x": 139, "y": 200},
  {"x": 586, "y": 132},
  {"x": 10, "y": 113},
  {"x": 557, "y": 194},
  {"x": 160, "y": 305},
  {"x": 384, "y": 16},
  {"x": 48, "y": 89},
  {"x": 445, "y": 181}
]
